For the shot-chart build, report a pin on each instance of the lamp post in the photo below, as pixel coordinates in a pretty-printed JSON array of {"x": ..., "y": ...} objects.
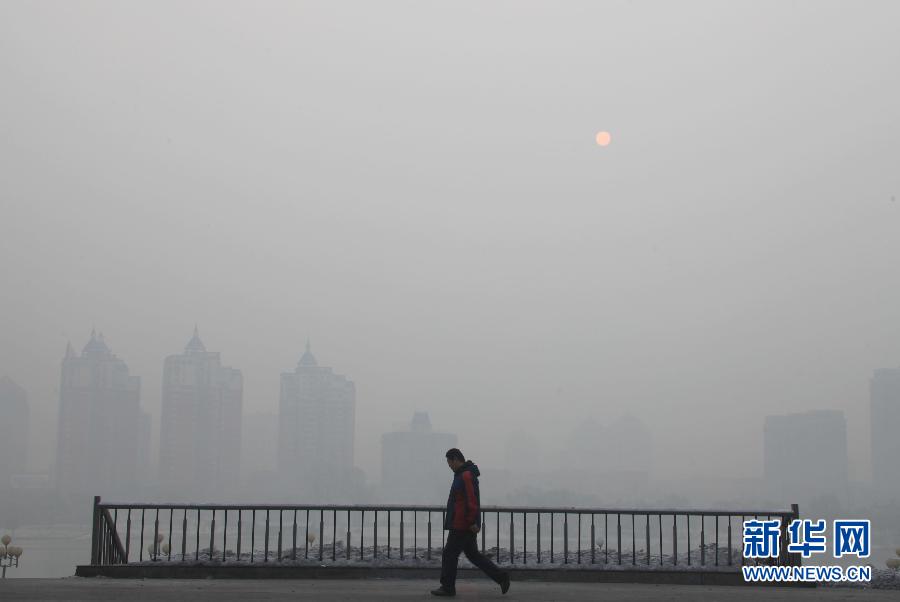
[{"x": 9, "y": 554}]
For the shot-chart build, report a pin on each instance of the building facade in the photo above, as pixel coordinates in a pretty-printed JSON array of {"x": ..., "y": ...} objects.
[
  {"x": 413, "y": 465},
  {"x": 13, "y": 430},
  {"x": 884, "y": 390},
  {"x": 99, "y": 409},
  {"x": 806, "y": 457},
  {"x": 316, "y": 428},
  {"x": 200, "y": 425}
]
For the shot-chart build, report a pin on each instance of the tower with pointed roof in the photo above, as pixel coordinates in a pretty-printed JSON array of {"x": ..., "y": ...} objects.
[
  {"x": 99, "y": 409},
  {"x": 200, "y": 425},
  {"x": 13, "y": 430},
  {"x": 316, "y": 427}
]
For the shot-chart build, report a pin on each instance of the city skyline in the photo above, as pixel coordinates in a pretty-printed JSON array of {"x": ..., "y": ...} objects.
[{"x": 97, "y": 350}]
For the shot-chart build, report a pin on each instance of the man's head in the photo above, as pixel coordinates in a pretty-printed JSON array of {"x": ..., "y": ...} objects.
[{"x": 455, "y": 459}]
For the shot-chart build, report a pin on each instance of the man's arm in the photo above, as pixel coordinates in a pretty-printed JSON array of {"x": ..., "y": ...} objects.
[{"x": 472, "y": 509}]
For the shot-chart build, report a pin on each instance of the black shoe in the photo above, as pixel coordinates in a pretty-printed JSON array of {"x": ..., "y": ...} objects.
[
  {"x": 443, "y": 591},
  {"x": 504, "y": 585}
]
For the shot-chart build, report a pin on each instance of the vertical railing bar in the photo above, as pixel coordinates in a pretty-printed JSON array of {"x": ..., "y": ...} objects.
[
  {"x": 605, "y": 538},
  {"x": 184, "y": 535},
  {"x": 280, "y": 532},
  {"x": 401, "y": 534},
  {"x": 524, "y": 538},
  {"x": 675, "y": 539},
  {"x": 633, "y": 543},
  {"x": 306, "y": 547},
  {"x": 156, "y": 536},
  {"x": 294, "y": 538},
  {"x": 618, "y": 539},
  {"x": 389, "y": 534},
  {"x": 483, "y": 531},
  {"x": 512, "y": 546},
  {"x": 579, "y": 538},
  {"x": 729, "y": 540},
  {"x": 552, "y": 522},
  {"x": 703, "y": 539},
  {"x": 128, "y": 536},
  {"x": 717, "y": 540},
  {"x": 141, "y": 554},
  {"x": 593, "y": 541},
  {"x": 743, "y": 519},
  {"x": 428, "y": 554},
  {"x": 648, "y": 539},
  {"x": 498, "y": 536},
  {"x": 171, "y": 512},
  {"x": 362, "y": 532},
  {"x": 212, "y": 535},
  {"x": 197, "y": 551},
  {"x": 347, "y": 551},
  {"x": 266, "y": 543},
  {"x": 240, "y": 526},
  {"x": 224, "y": 534},
  {"x": 688, "y": 520},
  {"x": 660, "y": 540},
  {"x": 334, "y": 534},
  {"x": 375, "y": 537},
  {"x": 538, "y": 537},
  {"x": 253, "y": 535},
  {"x": 565, "y": 538},
  {"x": 321, "y": 533}
]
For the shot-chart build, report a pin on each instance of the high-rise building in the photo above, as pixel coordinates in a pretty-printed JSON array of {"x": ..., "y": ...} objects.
[
  {"x": 200, "y": 425},
  {"x": 885, "y": 410},
  {"x": 413, "y": 466},
  {"x": 99, "y": 408},
  {"x": 806, "y": 457},
  {"x": 144, "y": 461},
  {"x": 13, "y": 430},
  {"x": 316, "y": 422}
]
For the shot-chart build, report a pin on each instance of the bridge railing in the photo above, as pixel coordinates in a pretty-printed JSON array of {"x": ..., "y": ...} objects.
[{"x": 126, "y": 533}]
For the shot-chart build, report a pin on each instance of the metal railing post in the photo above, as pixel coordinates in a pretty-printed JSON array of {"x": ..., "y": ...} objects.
[{"x": 95, "y": 532}]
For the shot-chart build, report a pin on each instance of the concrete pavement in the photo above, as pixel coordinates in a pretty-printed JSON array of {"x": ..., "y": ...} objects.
[{"x": 325, "y": 590}]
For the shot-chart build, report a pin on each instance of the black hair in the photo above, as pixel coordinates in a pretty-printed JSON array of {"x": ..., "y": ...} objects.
[{"x": 455, "y": 454}]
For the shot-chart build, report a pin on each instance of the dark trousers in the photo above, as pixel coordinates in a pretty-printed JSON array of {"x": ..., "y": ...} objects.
[{"x": 466, "y": 542}]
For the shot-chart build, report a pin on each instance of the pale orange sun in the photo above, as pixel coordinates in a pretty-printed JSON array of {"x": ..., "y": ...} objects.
[{"x": 603, "y": 138}]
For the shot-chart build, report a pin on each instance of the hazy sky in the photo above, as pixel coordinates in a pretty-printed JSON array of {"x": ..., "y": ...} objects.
[{"x": 415, "y": 186}]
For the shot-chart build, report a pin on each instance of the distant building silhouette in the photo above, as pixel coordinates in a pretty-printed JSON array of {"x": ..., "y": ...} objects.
[
  {"x": 413, "y": 467},
  {"x": 316, "y": 426},
  {"x": 200, "y": 425},
  {"x": 144, "y": 461},
  {"x": 885, "y": 411},
  {"x": 13, "y": 430},
  {"x": 99, "y": 409},
  {"x": 806, "y": 457}
]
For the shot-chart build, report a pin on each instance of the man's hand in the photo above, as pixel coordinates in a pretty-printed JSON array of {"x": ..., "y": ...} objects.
[{"x": 474, "y": 528}]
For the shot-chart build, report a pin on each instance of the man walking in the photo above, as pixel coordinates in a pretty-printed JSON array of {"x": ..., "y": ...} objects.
[{"x": 463, "y": 521}]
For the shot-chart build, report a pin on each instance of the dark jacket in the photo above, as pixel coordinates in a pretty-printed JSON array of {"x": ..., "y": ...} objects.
[{"x": 464, "y": 503}]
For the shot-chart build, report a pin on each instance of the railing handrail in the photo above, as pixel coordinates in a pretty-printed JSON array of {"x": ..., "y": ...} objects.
[
  {"x": 567, "y": 520},
  {"x": 441, "y": 508}
]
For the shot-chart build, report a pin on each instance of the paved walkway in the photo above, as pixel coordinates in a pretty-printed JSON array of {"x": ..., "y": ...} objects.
[{"x": 75, "y": 588}]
